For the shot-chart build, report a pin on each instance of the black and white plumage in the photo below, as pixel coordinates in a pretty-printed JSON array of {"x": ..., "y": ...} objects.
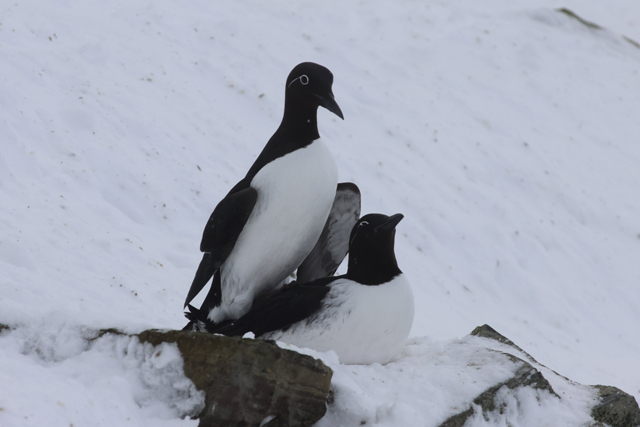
[
  {"x": 364, "y": 316},
  {"x": 270, "y": 220}
]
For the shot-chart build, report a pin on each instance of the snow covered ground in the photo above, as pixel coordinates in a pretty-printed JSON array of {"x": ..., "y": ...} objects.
[
  {"x": 434, "y": 380},
  {"x": 506, "y": 132}
]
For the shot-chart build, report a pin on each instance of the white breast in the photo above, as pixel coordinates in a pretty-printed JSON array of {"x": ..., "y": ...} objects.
[
  {"x": 295, "y": 195},
  {"x": 362, "y": 324}
]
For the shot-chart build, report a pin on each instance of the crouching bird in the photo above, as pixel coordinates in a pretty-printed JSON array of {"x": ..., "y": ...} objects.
[
  {"x": 364, "y": 316},
  {"x": 269, "y": 222}
]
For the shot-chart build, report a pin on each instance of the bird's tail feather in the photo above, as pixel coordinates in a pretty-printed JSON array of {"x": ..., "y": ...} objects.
[
  {"x": 198, "y": 321},
  {"x": 205, "y": 271}
]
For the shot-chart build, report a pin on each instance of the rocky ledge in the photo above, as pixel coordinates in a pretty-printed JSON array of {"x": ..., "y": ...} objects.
[{"x": 248, "y": 382}]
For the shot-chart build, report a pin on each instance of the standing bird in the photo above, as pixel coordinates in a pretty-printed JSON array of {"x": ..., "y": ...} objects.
[
  {"x": 364, "y": 316},
  {"x": 269, "y": 222}
]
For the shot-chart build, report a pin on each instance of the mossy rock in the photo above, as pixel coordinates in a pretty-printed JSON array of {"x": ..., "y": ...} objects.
[
  {"x": 616, "y": 408},
  {"x": 250, "y": 382}
]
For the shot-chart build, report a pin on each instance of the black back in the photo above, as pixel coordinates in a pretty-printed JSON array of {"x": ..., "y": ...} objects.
[{"x": 290, "y": 305}]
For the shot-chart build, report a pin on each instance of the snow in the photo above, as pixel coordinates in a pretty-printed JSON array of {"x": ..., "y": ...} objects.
[
  {"x": 505, "y": 132},
  {"x": 434, "y": 380},
  {"x": 63, "y": 379}
]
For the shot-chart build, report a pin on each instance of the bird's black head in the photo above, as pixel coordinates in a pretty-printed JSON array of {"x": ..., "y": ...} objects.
[
  {"x": 372, "y": 260},
  {"x": 309, "y": 86}
]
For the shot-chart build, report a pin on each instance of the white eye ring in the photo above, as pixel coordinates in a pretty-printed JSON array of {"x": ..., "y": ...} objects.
[
  {"x": 304, "y": 79},
  {"x": 356, "y": 231}
]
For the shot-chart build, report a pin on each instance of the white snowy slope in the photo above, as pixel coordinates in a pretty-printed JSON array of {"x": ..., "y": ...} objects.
[{"x": 506, "y": 133}]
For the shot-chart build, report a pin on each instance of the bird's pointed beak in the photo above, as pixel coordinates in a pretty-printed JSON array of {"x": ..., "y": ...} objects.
[
  {"x": 330, "y": 104},
  {"x": 391, "y": 223}
]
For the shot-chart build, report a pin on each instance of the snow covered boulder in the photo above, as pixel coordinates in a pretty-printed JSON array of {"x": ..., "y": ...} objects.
[
  {"x": 250, "y": 382},
  {"x": 613, "y": 406},
  {"x": 616, "y": 408},
  {"x": 480, "y": 380},
  {"x": 492, "y": 400}
]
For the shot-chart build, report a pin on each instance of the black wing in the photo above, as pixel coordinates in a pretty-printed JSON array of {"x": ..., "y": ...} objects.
[
  {"x": 333, "y": 244},
  {"x": 291, "y": 304},
  {"x": 226, "y": 222},
  {"x": 221, "y": 233}
]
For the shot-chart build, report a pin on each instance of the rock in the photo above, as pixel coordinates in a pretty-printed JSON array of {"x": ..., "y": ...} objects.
[
  {"x": 525, "y": 376},
  {"x": 486, "y": 331},
  {"x": 250, "y": 382},
  {"x": 246, "y": 382},
  {"x": 616, "y": 408}
]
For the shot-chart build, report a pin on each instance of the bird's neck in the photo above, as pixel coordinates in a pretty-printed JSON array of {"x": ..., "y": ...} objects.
[
  {"x": 300, "y": 122},
  {"x": 373, "y": 266},
  {"x": 299, "y": 128}
]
